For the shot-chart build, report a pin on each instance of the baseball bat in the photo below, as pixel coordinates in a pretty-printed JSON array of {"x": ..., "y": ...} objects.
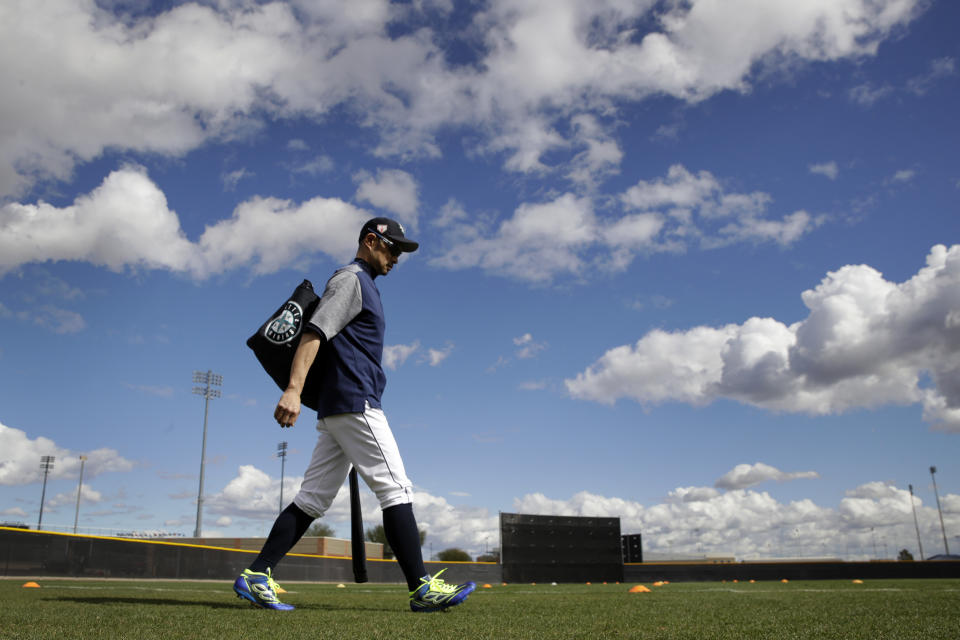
[{"x": 359, "y": 549}]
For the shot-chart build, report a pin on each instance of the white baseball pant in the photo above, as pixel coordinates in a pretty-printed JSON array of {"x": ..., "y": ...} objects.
[{"x": 365, "y": 441}]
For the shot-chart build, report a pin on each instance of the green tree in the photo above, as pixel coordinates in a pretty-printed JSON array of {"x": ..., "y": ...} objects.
[
  {"x": 319, "y": 530},
  {"x": 905, "y": 556},
  {"x": 377, "y": 534},
  {"x": 492, "y": 556},
  {"x": 454, "y": 555}
]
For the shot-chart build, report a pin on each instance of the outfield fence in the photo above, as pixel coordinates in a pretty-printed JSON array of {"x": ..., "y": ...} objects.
[
  {"x": 798, "y": 570},
  {"x": 48, "y": 554}
]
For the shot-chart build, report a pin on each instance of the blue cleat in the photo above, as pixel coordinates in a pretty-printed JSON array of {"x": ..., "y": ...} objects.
[
  {"x": 260, "y": 589},
  {"x": 434, "y": 594}
]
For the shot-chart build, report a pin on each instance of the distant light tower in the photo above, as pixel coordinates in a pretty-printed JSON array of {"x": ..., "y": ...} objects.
[
  {"x": 76, "y": 514},
  {"x": 915, "y": 523},
  {"x": 282, "y": 454},
  {"x": 46, "y": 464},
  {"x": 208, "y": 378},
  {"x": 933, "y": 471}
]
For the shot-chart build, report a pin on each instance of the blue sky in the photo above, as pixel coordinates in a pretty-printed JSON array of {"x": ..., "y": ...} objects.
[{"x": 691, "y": 266}]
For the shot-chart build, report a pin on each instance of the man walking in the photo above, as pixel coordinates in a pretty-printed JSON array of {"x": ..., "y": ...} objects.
[{"x": 345, "y": 338}]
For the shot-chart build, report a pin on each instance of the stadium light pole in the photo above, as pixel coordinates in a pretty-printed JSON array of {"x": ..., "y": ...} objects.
[
  {"x": 933, "y": 471},
  {"x": 282, "y": 454},
  {"x": 208, "y": 379},
  {"x": 46, "y": 463},
  {"x": 76, "y": 513},
  {"x": 916, "y": 524}
]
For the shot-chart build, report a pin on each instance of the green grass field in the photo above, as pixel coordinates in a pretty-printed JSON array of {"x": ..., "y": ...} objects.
[{"x": 877, "y": 610}]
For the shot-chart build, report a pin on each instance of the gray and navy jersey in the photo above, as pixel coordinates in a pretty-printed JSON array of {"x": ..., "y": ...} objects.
[{"x": 350, "y": 318}]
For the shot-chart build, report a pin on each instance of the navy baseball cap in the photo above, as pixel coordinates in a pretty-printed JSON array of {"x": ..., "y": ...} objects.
[{"x": 391, "y": 230}]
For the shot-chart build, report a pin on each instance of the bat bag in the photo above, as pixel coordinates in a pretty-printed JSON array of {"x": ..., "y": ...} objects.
[{"x": 277, "y": 340}]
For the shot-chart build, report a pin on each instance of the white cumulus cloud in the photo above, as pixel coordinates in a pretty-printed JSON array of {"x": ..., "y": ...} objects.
[
  {"x": 690, "y": 520},
  {"x": 390, "y": 189},
  {"x": 565, "y": 236},
  {"x": 866, "y": 342},
  {"x": 436, "y": 356},
  {"x": 544, "y": 75},
  {"x": 20, "y": 459},
  {"x": 252, "y": 494},
  {"x": 395, "y": 355},
  {"x": 527, "y": 347},
  {"x": 88, "y": 495},
  {"x": 745, "y": 524},
  {"x": 125, "y": 223},
  {"x": 744, "y": 476},
  {"x": 827, "y": 169}
]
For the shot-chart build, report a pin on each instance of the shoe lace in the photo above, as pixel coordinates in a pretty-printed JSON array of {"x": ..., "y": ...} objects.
[
  {"x": 436, "y": 584},
  {"x": 274, "y": 586}
]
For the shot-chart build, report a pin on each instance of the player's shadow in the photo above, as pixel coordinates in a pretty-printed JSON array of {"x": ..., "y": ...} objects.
[
  {"x": 160, "y": 602},
  {"x": 142, "y": 601}
]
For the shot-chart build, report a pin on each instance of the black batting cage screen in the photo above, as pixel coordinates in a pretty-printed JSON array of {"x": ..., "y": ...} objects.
[
  {"x": 560, "y": 549},
  {"x": 632, "y": 545}
]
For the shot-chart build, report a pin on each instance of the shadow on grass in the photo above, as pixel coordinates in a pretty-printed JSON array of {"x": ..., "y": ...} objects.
[
  {"x": 160, "y": 602},
  {"x": 147, "y": 601}
]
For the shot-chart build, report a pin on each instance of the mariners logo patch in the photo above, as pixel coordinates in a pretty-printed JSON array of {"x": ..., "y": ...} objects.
[{"x": 286, "y": 325}]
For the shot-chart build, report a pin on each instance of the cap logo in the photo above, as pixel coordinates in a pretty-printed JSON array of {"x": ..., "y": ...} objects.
[
  {"x": 402, "y": 232},
  {"x": 382, "y": 228}
]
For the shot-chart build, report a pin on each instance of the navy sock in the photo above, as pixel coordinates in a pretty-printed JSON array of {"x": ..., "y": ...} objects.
[
  {"x": 403, "y": 536},
  {"x": 288, "y": 528}
]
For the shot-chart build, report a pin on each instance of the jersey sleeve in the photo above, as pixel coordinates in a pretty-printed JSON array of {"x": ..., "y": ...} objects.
[{"x": 340, "y": 303}]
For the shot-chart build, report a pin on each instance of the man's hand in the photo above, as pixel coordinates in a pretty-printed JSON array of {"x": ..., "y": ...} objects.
[{"x": 288, "y": 409}]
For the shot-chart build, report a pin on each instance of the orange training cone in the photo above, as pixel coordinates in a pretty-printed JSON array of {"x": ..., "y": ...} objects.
[
  {"x": 639, "y": 589},
  {"x": 31, "y": 585}
]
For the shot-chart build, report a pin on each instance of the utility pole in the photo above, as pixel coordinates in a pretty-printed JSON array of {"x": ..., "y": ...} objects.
[
  {"x": 46, "y": 464},
  {"x": 76, "y": 515},
  {"x": 282, "y": 454},
  {"x": 209, "y": 378},
  {"x": 915, "y": 523},
  {"x": 946, "y": 549}
]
